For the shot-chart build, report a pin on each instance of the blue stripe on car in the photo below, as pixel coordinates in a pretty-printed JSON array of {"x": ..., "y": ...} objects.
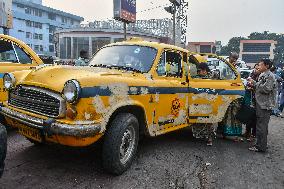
[{"x": 105, "y": 91}]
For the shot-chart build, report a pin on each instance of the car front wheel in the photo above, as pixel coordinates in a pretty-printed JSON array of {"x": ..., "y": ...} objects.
[{"x": 120, "y": 143}]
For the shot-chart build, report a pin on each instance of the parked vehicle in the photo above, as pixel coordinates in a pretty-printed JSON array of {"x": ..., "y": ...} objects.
[
  {"x": 130, "y": 89},
  {"x": 15, "y": 55}
]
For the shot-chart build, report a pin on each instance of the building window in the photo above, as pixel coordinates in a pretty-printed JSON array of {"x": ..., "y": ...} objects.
[
  {"x": 20, "y": 31},
  {"x": 256, "y": 47},
  {"x": 205, "y": 49},
  {"x": 28, "y": 10},
  {"x": 72, "y": 22},
  {"x": 52, "y": 29},
  {"x": 64, "y": 19},
  {"x": 51, "y": 38},
  {"x": 20, "y": 6},
  {"x": 98, "y": 42},
  {"x": 38, "y": 36},
  {"x": 51, "y": 48},
  {"x": 28, "y": 35},
  {"x": 37, "y": 25},
  {"x": 65, "y": 48},
  {"x": 38, "y": 48},
  {"x": 37, "y": 12},
  {"x": 79, "y": 44},
  {"x": 254, "y": 58},
  {"x": 28, "y": 23},
  {"x": 51, "y": 16}
]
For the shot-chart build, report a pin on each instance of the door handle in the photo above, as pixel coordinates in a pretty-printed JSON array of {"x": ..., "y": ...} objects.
[
  {"x": 236, "y": 84},
  {"x": 183, "y": 83}
]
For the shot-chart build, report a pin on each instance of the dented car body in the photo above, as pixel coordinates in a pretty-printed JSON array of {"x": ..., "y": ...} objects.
[{"x": 130, "y": 89}]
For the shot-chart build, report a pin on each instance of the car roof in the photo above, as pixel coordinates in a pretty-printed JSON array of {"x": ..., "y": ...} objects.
[{"x": 141, "y": 42}]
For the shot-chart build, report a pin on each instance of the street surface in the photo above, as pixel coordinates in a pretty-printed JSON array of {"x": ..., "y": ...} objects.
[{"x": 175, "y": 160}]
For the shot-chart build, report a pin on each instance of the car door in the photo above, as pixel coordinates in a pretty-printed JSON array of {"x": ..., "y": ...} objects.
[
  {"x": 14, "y": 56},
  {"x": 210, "y": 97},
  {"x": 171, "y": 92}
]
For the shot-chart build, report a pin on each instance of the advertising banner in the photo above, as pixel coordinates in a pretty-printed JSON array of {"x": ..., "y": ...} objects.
[
  {"x": 125, "y": 10},
  {"x": 6, "y": 13}
]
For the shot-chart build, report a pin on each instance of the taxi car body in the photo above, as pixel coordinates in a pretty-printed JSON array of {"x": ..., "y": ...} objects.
[
  {"x": 129, "y": 89},
  {"x": 14, "y": 55}
]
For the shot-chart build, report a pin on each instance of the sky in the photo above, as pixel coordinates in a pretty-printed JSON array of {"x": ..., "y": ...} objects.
[{"x": 208, "y": 20}]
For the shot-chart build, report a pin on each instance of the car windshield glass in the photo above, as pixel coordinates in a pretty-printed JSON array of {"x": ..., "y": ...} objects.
[
  {"x": 127, "y": 57},
  {"x": 7, "y": 53}
]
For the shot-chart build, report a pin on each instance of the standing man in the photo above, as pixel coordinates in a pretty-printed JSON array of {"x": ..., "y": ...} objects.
[
  {"x": 233, "y": 59},
  {"x": 83, "y": 59},
  {"x": 265, "y": 95}
]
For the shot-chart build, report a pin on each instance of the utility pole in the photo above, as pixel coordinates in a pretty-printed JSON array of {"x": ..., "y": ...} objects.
[{"x": 172, "y": 10}]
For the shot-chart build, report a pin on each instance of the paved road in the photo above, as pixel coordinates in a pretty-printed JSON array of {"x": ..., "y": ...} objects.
[{"x": 175, "y": 160}]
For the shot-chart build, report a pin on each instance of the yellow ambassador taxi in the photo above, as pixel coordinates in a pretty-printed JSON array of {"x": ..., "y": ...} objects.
[
  {"x": 129, "y": 89},
  {"x": 14, "y": 55}
]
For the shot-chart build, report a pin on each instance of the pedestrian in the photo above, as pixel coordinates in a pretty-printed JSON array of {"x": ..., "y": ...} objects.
[
  {"x": 233, "y": 59},
  {"x": 83, "y": 59},
  {"x": 250, "y": 133},
  {"x": 279, "y": 80},
  {"x": 265, "y": 92}
]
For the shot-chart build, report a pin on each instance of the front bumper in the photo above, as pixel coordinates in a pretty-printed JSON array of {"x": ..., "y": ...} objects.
[{"x": 51, "y": 127}]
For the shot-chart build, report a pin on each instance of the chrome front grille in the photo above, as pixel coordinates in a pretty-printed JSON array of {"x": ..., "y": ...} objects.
[{"x": 37, "y": 100}]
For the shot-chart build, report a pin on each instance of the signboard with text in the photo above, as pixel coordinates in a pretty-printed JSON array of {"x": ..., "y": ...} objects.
[
  {"x": 125, "y": 10},
  {"x": 6, "y": 13}
]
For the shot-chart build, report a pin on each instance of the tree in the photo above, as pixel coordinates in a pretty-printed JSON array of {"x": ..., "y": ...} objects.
[{"x": 233, "y": 46}]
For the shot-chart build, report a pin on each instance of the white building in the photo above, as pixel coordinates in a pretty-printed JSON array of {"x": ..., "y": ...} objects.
[{"x": 35, "y": 24}]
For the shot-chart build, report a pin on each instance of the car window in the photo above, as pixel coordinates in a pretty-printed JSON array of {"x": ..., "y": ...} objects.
[
  {"x": 22, "y": 55},
  {"x": 13, "y": 53},
  {"x": 170, "y": 64},
  {"x": 7, "y": 53},
  {"x": 226, "y": 72}
]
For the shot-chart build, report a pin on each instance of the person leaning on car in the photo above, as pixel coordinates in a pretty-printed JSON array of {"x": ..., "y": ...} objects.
[
  {"x": 265, "y": 93},
  {"x": 3, "y": 147}
]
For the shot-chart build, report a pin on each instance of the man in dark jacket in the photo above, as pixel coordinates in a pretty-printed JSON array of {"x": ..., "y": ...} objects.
[
  {"x": 3, "y": 147},
  {"x": 265, "y": 96}
]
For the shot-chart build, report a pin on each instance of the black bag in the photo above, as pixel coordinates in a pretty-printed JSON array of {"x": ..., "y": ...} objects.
[{"x": 247, "y": 111}]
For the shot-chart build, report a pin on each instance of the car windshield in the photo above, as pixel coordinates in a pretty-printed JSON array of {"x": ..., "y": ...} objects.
[{"x": 127, "y": 57}]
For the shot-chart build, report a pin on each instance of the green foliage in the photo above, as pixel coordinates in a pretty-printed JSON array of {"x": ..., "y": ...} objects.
[{"x": 234, "y": 44}]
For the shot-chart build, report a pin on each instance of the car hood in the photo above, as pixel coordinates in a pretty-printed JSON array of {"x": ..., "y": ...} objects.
[{"x": 54, "y": 77}]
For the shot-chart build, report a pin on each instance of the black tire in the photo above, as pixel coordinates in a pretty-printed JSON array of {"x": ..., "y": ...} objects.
[
  {"x": 115, "y": 159},
  {"x": 3, "y": 147}
]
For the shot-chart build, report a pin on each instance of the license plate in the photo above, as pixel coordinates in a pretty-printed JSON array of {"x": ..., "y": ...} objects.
[{"x": 30, "y": 133}]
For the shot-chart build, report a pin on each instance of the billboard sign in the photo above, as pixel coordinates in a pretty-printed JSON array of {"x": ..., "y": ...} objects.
[
  {"x": 125, "y": 10},
  {"x": 6, "y": 13}
]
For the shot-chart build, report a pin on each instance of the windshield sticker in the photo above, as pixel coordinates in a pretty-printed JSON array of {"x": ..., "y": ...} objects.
[{"x": 137, "y": 50}]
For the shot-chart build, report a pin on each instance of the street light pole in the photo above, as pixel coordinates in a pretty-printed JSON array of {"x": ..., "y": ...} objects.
[{"x": 174, "y": 24}]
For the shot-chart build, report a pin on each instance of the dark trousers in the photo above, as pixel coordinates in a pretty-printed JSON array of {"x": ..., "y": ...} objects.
[
  {"x": 262, "y": 121},
  {"x": 251, "y": 127}
]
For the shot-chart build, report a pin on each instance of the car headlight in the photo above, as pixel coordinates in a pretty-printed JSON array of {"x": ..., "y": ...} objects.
[
  {"x": 9, "y": 81},
  {"x": 71, "y": 91}
]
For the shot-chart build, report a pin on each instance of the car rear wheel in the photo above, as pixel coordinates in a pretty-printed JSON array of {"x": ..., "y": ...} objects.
[{"x": 120, "y": 143}]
